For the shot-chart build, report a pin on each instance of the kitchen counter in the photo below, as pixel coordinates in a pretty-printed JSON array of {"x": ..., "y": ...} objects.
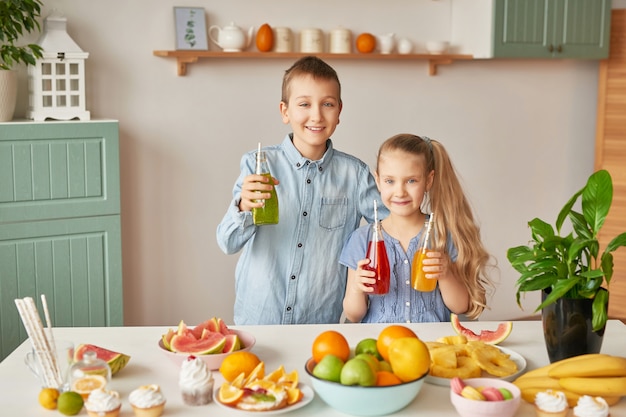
[{"x": 275, "y": 345}]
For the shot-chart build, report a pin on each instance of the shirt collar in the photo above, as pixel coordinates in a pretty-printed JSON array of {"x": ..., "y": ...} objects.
[{"x": 298, "y": 161}]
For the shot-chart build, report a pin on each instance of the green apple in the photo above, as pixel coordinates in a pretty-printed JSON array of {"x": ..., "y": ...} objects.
[
  {"x": 367, "y": 346},
  {"x": 370, "y": 359},
  {"x": 384, "y": 366},
  {"x": 356, "y": 371},
  {"x": 329, "y": 368}
]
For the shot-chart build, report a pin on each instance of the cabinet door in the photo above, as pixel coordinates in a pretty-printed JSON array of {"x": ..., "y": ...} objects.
[{"x": 551, "y": 28}]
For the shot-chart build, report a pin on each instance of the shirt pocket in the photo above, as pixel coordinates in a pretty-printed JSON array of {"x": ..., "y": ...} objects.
[{"x": 333, "y": 213}]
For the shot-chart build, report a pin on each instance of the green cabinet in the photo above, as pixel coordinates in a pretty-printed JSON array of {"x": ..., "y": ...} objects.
[
  {"x": 551, "y": 28},
  {"x": 60, "y": 232}
]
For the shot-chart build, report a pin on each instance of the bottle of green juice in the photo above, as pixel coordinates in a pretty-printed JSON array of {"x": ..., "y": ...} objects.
[{"x": 268, "y": 214}]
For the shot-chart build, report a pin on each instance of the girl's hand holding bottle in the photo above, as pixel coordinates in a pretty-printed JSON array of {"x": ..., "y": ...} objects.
[{"x": 364, "y": 279}]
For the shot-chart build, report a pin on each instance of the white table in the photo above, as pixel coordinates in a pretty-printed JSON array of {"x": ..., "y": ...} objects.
[{"x": 276, "y": 345}]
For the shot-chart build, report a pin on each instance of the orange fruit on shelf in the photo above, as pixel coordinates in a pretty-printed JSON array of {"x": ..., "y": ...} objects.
[
  {"x": 385, "y": 378},
  {"x": 388, "y": 335},
  {"x": 365, "y": 43},
  {"x": 228, "y": 394},
  {"x": 237, "y": 363},
  {"x": 265, "y": 38},
  {"x": 330, "y": 342}
]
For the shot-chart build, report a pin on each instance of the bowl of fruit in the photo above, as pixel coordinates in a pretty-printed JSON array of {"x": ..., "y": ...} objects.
[
  {"x": 211, "y": 341},
  {"x": 378, "y": 377},
  {"x": 485, "y": 397}
]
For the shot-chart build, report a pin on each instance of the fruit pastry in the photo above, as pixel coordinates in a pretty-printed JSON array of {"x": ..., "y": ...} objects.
[
  {"x": 589, "y": 406},
  {"x": 147, "y": 401},
  {"x": 195, "y": 382},
  {"x": 551, "y": 403},
  {"x": 103, "y": 403}
]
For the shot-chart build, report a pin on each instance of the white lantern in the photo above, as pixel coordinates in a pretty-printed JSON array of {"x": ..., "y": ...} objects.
[{"x": 57, "y": 81}]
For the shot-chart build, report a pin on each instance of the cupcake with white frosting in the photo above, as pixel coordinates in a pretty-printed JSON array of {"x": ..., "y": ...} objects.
[
  {"x": 551, "y": 404},
  {"x": 588, "y": 406},
  {"x": 147, "y": 401},
  {"x": 195, "y": 382},
  {"x": 103, "y": 403}
]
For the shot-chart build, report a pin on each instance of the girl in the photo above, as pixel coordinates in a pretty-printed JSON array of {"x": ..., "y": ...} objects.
[{"x": 415, "y": 178}]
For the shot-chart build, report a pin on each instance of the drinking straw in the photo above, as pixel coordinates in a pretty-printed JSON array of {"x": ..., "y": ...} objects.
[
  {"x": 375, "y": 213},
  {"x": 50, "y": 336}
]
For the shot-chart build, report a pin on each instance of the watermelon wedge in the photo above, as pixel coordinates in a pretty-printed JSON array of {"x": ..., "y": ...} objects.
[
  {"x": 117, "y": 361},
  {"x": 209, "y": 337},
  {"x": 492, "y": 337}
]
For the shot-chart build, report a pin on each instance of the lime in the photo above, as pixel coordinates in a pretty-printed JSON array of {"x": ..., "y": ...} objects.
[
  {"x": 70, "y": 403},
  {"x": 48, "y": 398}
]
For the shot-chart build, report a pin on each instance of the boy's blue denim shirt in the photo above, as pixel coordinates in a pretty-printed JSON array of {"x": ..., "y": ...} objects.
[{"x": 289, "y": 273}]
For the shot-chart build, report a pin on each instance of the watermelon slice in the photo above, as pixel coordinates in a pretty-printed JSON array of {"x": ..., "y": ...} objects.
[
  {"x": 210, "y": 342},
  {"x": 209, "y": 337},
  {"x": 117, "y": 361},
  {"x": 492, "y": 337}
]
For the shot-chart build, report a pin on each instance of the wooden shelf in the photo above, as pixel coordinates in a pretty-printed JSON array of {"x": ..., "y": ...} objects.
[{"x": 189, "y": 57}]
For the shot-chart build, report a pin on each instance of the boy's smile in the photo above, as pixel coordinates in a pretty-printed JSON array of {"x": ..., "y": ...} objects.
[{"x": 312, "y": 112}]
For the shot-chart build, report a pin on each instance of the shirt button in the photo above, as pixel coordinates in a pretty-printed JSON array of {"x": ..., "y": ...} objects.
[
  {"x": 299, "y": 245},
  {"x": 408, "y": 282},
  {"x": 305, "y": 214},
  {"x": 406, "y": 261},
  {"x": 320, "y": 169},
  {"x": 308, "y": 181},
  {"x": 408, "y": 321},
  {"x": 293, "y": 277},
  {"x": 288, "y": 308},
  {"x": 298, "y": 164},
  {"x": 408, "y": 303}
]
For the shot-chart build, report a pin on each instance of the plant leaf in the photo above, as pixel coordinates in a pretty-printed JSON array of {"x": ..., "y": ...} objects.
[
  {"x": 596, "y": 199},
  {"x": 559, "y": 289},
  {"x": 599, "y": 310}
]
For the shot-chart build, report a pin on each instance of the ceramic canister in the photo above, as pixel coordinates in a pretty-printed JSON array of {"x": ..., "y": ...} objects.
[
  {"x": 283, "y": 39},
  {"x": 311, "y": 40},
  {"x": 340, "y": 41}
]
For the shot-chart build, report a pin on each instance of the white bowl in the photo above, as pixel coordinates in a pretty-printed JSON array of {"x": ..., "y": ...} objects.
[
  {"x": 474, "y": 408},
  {"x": 437, "y": 47},
  {"x": 364, "y": 401},
  {"x": 213, "y": 361}
]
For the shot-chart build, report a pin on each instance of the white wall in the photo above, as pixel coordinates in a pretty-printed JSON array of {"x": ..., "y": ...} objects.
[{"x": 520, "y": 132}]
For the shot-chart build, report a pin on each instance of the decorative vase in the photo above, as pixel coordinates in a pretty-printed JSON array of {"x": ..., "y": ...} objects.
[
  {"x": 567, "y": 328},
  {"x": 8, "y": 94}
]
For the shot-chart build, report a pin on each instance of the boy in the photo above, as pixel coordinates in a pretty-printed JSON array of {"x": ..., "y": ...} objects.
[{"x": 289, "y": 273}]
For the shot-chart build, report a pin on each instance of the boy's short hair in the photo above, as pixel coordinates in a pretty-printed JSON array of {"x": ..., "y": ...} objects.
[{"x": 309, "y": 65}]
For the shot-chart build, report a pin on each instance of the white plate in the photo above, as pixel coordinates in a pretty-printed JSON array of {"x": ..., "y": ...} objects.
[
  {"x": 307, "y": 397},
  {"x": 516, "y": 357}
]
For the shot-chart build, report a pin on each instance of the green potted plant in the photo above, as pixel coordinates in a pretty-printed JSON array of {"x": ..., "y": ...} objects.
[
  {"x": 17, "y": 18},
  {"x": 571, "y": 266}
]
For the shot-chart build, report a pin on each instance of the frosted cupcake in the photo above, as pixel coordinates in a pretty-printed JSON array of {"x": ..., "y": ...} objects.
[
  {"x": 102, "y": 403},
  {"x": 147, "y": 401},
  {"x": 588, "y": 406},
  {"x": 551, "y": 404},
  {"x": 195, "y": 382}
]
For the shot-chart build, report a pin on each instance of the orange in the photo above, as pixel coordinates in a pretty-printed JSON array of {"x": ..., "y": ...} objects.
[
  {"x": 384, "y": 378},
  {"x": 229, "y": 395},
  {"x": 238, "y": 362},
  {"x": 388, "y": 334},
  {"x": 290, "y": 379},
  {"x": 257, "y": 373},
  {"x": 294, "y": 395},
  {"x": 274, "y": 376},
  {"x": 330, "y": 342},
  {"x": 88, "y": 383},
  {"x": 365, "y": 43},
  {"x": 48, "y": 398}
]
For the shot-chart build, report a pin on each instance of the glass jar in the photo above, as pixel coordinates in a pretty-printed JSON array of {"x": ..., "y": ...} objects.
[{"x": 89, "y": 374}]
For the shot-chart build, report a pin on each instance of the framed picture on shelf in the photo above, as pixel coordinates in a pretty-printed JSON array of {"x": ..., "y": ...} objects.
[{"x": 190, "y": 26}]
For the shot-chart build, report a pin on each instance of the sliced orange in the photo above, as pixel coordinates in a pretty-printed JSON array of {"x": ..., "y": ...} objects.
[
  {"x": 262, "y": 383},
  {"x": 294, "y": 395},
  {"x": 88, "y": 383},
  {"x": 257, "y": 373},
  {"x": 275, "y": 375},
  {"x": 238, "y": 381},
  {"x": 229, "y": 395},
  {"x": 289, "y": 380}
]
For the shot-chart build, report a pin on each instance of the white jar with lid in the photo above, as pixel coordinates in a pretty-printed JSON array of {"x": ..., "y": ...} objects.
[
  {"x": 340, "y": 41},
  {"x": 311, "y": 40},
  {"x": 283, "y": 39}
]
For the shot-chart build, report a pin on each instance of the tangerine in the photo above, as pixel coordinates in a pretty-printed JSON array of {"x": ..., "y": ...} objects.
[
  {"x": 385, "y": 378},
  {"x": 330, "y": 342},
  {"x": 365, "y": 43},
  {"x": 237, "y": 363},
  {"x": 388, "y": 335}
]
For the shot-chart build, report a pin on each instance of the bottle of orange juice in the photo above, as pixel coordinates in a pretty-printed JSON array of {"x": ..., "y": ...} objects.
[{"x": 418, "y": 278}]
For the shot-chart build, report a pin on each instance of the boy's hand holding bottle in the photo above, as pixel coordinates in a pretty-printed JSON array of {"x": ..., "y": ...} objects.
[{"x": 252, "y": 185}]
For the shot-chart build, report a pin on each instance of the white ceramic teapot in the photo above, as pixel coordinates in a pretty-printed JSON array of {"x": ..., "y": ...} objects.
[{"x": 231, "y": 38}]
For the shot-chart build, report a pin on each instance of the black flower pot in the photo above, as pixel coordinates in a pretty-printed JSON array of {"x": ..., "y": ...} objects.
[{"x": 567, "y": 328}]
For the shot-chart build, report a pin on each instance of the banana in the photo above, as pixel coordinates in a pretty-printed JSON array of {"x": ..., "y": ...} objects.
[
  {"x": 528, "y": 395},
  {"x": 586, "y": 366},
  {"x": 545, "y": 370},
  {"x": 595, "y": 386},
  {"x": 540, "y": 382}
]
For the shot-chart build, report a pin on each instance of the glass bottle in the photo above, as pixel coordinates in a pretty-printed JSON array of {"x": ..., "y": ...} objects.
[
  {"x": 88, "y": 374},
  {"x": 268, "y": 214},
  {"x": 377, "y": 254},
  {"x": 419, "y": 281}
]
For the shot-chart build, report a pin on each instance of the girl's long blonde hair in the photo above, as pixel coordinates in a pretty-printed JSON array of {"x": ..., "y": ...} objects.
[{"x": 453, "y": 217}]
